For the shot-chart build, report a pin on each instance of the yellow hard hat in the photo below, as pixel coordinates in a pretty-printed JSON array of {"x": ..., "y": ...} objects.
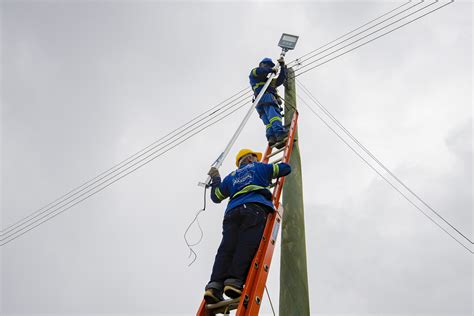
[{"x": 244, "y": 152}]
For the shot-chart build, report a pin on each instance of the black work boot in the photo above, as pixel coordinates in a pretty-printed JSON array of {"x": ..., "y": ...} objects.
[
  {"x": 232, "y": 291},
  {"x": 233, "y": 288},
  {"x": 272, "y": 140},
  {"x": 213, "y": 296},
  {"x": 281, "y": 140}
]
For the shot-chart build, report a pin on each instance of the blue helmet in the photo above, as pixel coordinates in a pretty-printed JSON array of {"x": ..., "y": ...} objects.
[{"x": 267, "y": 60}]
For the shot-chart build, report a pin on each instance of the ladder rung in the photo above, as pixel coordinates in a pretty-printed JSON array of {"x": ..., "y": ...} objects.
[
  {"x": 223, "y": 306},
  {"x": 277, "y": 152},
  {"x": 276, "y": 161}
]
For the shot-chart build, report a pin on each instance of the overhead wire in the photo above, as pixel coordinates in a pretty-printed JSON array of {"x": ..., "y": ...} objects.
[
  {"x": 302, "y": 58},
  {"x": 210, "y": 112},
  {"x": 371, "y": 40},
  {"x": 96, "y": 189},
  {"x": 368, "y": 152},
  {"x": 380, "y": 174},
  {"x": 247, "y": 90},
  {"x": 368, "y": 34}
]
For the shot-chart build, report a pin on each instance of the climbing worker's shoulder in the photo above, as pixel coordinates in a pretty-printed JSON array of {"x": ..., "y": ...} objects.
[{"x": 253, "y": 72}]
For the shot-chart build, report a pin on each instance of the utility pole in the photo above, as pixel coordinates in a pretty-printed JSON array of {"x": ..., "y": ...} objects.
[{"x": 294, "y": 295}]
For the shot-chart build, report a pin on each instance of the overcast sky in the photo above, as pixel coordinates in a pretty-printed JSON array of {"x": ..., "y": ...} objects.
[{"x": 87, "y": 83}]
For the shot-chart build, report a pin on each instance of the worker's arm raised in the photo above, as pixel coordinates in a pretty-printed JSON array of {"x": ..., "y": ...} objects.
[
  {"x": 281, "y": 77},
  {"x": 260, "y": 72},
  {"x": 219, "y": 191}
]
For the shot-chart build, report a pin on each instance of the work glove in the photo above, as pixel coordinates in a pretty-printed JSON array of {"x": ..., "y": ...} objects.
[
  {"x": 274, "y": 70},
  {"x": 214, "y": 172},
  {"x": 281, "y": 61}
]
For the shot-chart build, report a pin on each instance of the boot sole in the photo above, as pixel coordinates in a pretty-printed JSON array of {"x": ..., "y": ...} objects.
[
  {"x": 211, "y": 299},
  {"x": 232, "y": 292}
]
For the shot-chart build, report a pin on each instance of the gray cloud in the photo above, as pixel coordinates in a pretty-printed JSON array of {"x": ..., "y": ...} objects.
[{"x": 85, "y": 84}]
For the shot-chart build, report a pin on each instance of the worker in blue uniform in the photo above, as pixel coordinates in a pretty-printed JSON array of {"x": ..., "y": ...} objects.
[
  {"x": 244, "y": 220},
  {"x": 268, "y": 107}
]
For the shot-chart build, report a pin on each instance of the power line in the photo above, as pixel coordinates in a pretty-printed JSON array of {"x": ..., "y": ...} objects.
[
  {"x": 41, "y": 221},
  {"x": 26, "y": 228},
  {"x": 301, "y": 59},
  {"x": 212, "y": 111},
  {"x": 369, "y": 34},
  {"x": 348, "y": 133},
  {"x": 373, "y": 39},
  {"x": 381, "y": 175},
  {"x": 163, "y": 140},
  {"x": 142, "y": 152}
]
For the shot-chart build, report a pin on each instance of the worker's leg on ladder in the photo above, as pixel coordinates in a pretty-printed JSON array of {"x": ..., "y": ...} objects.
[
  {"x": 273, "y": 114},
  {"x": 253, "y": 219},
  {"x": 225, "y": 253},
  {"x": 266, "y": 122}
]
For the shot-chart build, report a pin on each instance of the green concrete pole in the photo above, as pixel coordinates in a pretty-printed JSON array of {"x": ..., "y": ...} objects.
[{"x": 294, "y": 295}]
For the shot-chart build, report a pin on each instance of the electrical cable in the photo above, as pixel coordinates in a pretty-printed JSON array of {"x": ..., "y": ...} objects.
[
  {"x": 302, "y": 59},
  {"x": 41, "y": 221},
  {"x": 195, "y": 220},
  {"x": 123, "y": 163},
  {"x": 141, "y": 153},
  {"x": 371, "y": 40},
  {"x": 367, "y": 35},
  {"x": 348, "y": 133},
  {"x": 381, "y": 175}
]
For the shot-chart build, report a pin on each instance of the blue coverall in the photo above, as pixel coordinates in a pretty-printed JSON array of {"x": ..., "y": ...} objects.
[
  {"x": 268, "y": 108},
  {"x": 244, "y": 219}
]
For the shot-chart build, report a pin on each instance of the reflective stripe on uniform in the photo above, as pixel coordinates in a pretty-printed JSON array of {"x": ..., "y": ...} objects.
[
  {"x": 275, "y": 118},
  {"x": 219, "y": 195},
  {"x": 268, "y": 125},
  {"x": 257, "y": 85},
  {"x": 248, "y": 188},
  {"x": 276, "y": 170},
  {"x": 254, "y": 72}
]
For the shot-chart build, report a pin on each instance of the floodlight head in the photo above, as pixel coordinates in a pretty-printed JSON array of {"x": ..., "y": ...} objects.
[{"x": 287, "y": 41}]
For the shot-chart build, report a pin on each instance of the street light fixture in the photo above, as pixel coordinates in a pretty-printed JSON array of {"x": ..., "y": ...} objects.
[{"x": 287, "y": 42}]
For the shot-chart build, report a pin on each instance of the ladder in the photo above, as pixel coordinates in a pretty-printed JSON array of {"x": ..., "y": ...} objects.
[{"x": 251, "y": 298}]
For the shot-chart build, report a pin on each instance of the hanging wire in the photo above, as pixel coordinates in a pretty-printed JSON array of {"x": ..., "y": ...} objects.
[
  {"x": 192, "y": 253},
  {"x": 270, "y": 299},
  {"x": 380, "y": 174},
  {"x": 368, "y": 152}
]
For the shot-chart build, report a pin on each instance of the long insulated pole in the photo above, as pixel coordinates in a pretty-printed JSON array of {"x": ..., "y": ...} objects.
[{"x": 218, "y": 163}]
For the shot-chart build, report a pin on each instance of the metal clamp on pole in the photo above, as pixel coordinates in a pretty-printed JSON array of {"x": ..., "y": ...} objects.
[{"x": 287, "y": 42}]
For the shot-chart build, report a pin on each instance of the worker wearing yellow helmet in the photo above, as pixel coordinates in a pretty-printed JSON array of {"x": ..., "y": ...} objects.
[{"x": 244, "y": 220}]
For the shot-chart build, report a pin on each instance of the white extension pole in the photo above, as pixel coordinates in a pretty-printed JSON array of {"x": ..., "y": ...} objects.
[{"x": 224, "y": 154}]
